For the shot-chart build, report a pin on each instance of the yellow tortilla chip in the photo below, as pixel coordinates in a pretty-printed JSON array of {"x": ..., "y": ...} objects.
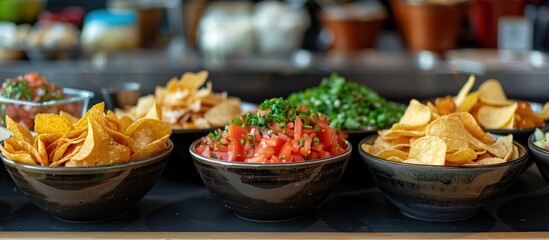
[
  {"x": 47, "y": 123},
  {"x": 496, "y": 117},
  {"x": 464, "y": 91},
  {"x": 18, "y": 132},
  {"x": 428, "y": 150},
  {"x": 416, "y": 114},
  {"x": 99, "y": 149},
  {"x": 491, "y": 92}
]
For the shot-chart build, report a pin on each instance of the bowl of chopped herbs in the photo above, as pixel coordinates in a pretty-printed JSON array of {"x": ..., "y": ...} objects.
[{"x": 356, "y": 109}]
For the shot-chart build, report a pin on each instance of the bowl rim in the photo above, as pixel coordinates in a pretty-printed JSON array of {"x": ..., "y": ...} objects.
[
  {"x": 75, "y": 95},
  {"x": 345, "y": 154},
  {"x": 62, "y": 170},
  {"x": 522, "y": 158},
  {"x": 533, "y": 146},
  {"x": 194, "y": 130}
]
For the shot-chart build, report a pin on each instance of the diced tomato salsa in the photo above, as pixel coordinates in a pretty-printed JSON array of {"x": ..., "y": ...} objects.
[
  {"x": 32, "y": 87},
  {"x": 278, "y": 132}
]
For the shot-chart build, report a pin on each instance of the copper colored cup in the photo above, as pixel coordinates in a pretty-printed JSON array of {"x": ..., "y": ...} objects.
[
  {"x": 354, "y": 33},
  {"x": 430, "y": 26}
]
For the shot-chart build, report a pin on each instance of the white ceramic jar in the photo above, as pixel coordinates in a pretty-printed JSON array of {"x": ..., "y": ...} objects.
[
  {"x": 279, "y": 27},
  {"x": 226, "y": 30}
]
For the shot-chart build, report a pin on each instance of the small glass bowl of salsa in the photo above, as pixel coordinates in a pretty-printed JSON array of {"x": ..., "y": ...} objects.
[{"x": 23, "y": 97}]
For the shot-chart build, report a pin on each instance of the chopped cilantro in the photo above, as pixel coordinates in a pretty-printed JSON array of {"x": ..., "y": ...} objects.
[{"x": 349, "y": 105}]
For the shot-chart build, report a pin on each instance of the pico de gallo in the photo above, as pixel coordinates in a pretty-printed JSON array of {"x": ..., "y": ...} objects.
[
  {"x": 31, "y": 87},
  {"x": 277, "y": 132}
]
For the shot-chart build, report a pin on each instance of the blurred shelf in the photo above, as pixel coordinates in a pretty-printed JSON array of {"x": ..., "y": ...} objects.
[{"x": 396, "y": 75}]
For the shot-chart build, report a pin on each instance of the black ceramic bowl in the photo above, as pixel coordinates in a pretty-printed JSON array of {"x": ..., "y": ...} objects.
[
  {"x": 354, "y": 173},
  {"x": 541, "y": 156},
  {"x": 88, "y": 193},
  {"x": 180, "y": 167},
  {"x": 442, "y": 193},
  {"x": 271, "y": 192}
]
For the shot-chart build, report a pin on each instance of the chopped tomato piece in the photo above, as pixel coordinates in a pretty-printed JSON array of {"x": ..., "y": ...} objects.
[
  {"x": 266, "y": 151},
  {"x": 286, "y": 150},
  {"x": 236, "y": 132},
  {"x": 325, "y": 136},
  {"x": 220, "y": 155},
  {"x": 236, "y": 151},
  {"x": 298, "y": 128},
  {"x": 257, "y": 159},
  {"x": 298, "y": 158}
]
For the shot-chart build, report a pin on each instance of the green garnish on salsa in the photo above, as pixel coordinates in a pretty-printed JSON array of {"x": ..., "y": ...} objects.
[
  {"x": 31, "y": 87},
  {"x": 349, "y": 105},
  {"x": 277, "y": 132}
]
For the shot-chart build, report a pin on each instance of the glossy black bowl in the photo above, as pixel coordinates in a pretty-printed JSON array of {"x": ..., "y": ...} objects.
[
  {"x": 541, "y": 156},
  {"x": 180, "y": 167},
  {"x": 355, "y": 172},
  {"x": 88, "y": 193},
  {"x": 442, "y": 193},
  {"x": 271, "y": 192}
]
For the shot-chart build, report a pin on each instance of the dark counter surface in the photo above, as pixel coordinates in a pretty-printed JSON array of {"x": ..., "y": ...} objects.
[{"x": 355, "y": 206}]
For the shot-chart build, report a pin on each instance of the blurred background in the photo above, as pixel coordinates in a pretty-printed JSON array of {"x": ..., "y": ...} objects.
[
  {"x": 226, "y": 29},
  {"x": 401, "y": 48}
]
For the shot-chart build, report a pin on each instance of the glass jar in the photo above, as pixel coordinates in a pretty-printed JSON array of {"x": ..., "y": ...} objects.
[{"x": 110, "y": 31}]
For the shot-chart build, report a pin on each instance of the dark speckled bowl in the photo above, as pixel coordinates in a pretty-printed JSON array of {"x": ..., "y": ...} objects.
[
  {"x": 271, "y": 192},
  {"x": 88, "y": 193},
  {"x": 541, "y": 156},
  {"x": 441, "y": 193},
  {"x": 180, "y": 167}
]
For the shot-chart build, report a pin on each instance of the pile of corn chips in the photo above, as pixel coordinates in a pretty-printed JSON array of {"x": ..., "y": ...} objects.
[
  {"x": 490, "y": 105},
  {"x": 187, "y": 106},
  {"x": 423, "y": 137},
  {"x": 97, "y": 139}
]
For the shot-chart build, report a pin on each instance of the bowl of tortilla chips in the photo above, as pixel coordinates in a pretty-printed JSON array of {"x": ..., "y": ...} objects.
[
  {"x": 441, "y": 168},
  {"x": 192, "y": 109},
  {"x": 87, "y": 169}
]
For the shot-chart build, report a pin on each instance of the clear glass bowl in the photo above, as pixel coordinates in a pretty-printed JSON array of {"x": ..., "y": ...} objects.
[{"x": 24, "y": 112}]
